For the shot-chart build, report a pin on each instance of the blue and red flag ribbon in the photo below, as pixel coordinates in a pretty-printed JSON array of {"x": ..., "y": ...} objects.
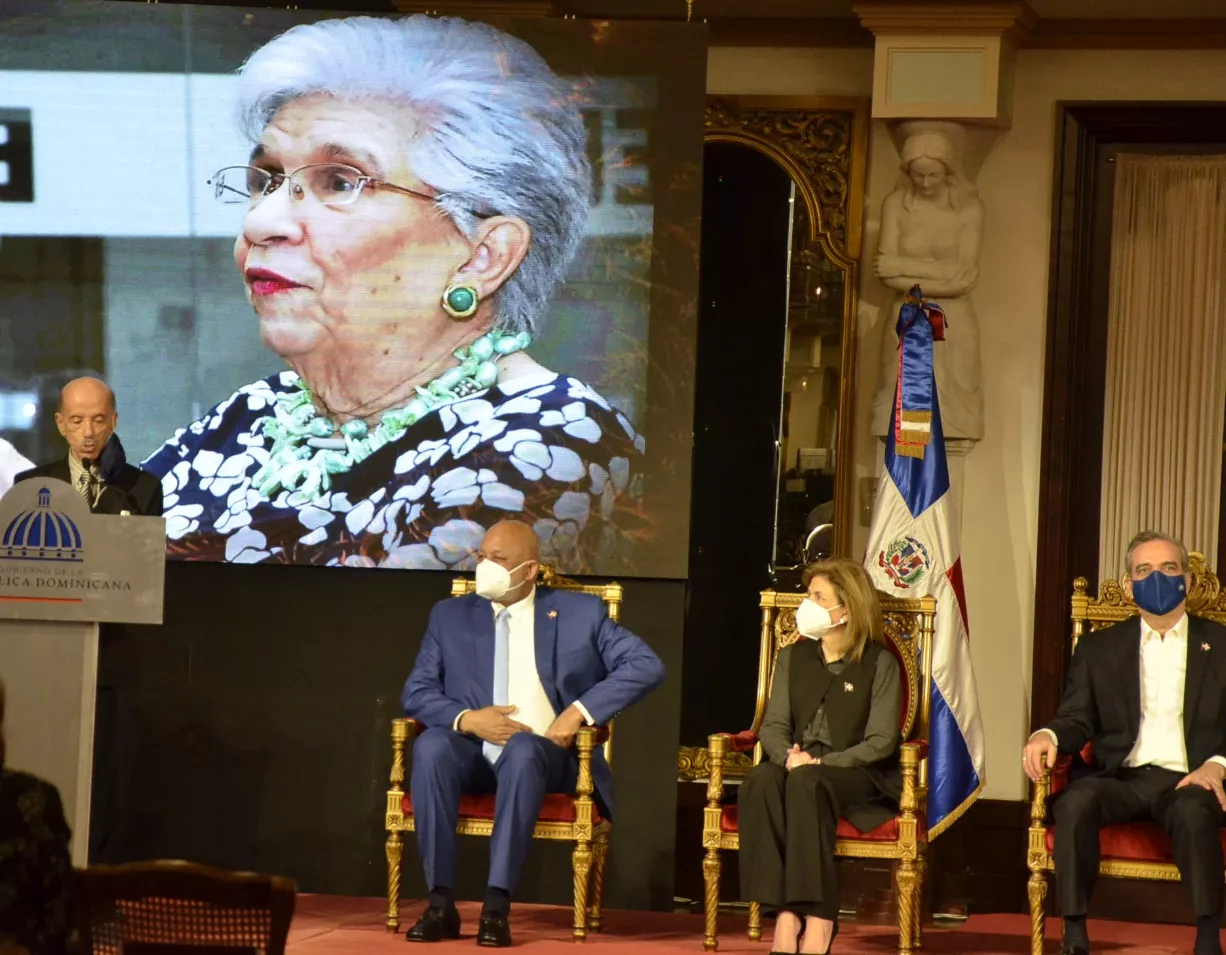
[{"x": 920, "y": 324}]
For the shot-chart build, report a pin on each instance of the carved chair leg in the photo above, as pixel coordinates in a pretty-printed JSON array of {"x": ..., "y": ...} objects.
[
  {"x": 600, "y": 851},
  {"x": 755, "y": 921},
  {"x": 710, "y": 879},
  {"x": 921, "y": 870},
  {"x": 581, "y": 862},
  {"x": 395, "y": 853},
  {"x": 906, "y": 881},
  {"x": 1036, "y": 889}
]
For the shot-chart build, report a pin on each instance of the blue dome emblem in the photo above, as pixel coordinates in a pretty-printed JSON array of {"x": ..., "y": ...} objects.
[{"x": 42, "y": 534}]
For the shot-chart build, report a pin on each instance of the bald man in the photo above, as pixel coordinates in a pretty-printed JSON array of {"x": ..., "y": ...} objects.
[
  {"x": 95, "y": 464},
  {"x": 503, "y": 681}
]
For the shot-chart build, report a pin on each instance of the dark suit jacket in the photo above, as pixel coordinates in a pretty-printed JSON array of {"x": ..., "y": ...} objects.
[
  {"x": 134, "y": 490},
  {"x": 581, "y": 655},
  {"x": 1102, "y": 700}
]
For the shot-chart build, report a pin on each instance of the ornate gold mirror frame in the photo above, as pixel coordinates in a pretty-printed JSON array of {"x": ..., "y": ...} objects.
[{"x": 822, "y": 144}]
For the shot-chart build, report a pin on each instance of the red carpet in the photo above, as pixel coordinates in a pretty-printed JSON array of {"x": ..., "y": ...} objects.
[{"x": 329, "y": 925}]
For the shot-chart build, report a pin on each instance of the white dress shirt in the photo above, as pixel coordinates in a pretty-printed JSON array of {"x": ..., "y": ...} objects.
[
  {"x": 524, "y": 688},
  {"x": 1164, "y": 669}
]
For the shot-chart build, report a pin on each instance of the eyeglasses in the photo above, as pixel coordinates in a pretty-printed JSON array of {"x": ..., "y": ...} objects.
[{"x": 332, "y": 184}]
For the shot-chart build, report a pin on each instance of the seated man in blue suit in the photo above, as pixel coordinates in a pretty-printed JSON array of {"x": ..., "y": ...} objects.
[{"x": 504, "y": 680}]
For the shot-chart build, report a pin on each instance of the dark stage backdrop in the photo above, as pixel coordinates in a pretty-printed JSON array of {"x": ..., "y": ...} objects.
[
  {"x": 251, "y": 731},
  {"x": 742, "y": 318}
]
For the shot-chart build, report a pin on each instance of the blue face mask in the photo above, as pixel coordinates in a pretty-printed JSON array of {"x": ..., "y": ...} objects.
[{"x": 1159, "y": 593}]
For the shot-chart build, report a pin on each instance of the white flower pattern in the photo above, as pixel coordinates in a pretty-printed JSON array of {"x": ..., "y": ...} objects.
[{"x": 556, "y": 455}]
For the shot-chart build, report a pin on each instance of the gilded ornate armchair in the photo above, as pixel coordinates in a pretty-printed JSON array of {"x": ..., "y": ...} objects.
[
  {"x": 908, "y": 627},
  {"x": 1133, "y": 850},
  {"x": 574, "y": 819}
]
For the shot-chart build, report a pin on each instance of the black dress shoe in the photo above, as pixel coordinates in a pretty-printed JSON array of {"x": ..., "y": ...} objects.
[
  {"x": 435, "y": 925},
  {"x": 1074, "y": 950},
  {"x": 493, "y": 931}
]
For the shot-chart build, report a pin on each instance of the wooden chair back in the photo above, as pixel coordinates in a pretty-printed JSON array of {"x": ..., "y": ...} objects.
[
  {"x": 1113, "y": 605},
  {"x": 180, "y": 908},
  {"x": 908, "y": 631},
  {"x": 611, "y": 594}
]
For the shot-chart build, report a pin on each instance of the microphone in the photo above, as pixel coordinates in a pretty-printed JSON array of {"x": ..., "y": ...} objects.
[{"x": 97, "y": 471}]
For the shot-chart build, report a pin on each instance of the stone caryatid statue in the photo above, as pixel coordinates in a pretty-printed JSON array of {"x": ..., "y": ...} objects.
[{"x": 931, "y": 227}]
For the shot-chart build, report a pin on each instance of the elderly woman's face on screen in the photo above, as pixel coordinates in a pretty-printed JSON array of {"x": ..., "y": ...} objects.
[{"x": 345, "y": 277}]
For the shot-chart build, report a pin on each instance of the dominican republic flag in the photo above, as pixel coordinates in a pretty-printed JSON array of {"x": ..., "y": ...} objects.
[{"x": 913, "y": 552}]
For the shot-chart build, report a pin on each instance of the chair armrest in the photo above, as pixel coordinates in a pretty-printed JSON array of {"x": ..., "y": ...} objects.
[
  {"x": 743, "y": 742},
  {"x": 718, "y": 745},
  {"x": 403, "y": 732},
  {"x": 1059, "y": 775},
  {"x": 1037, "y": 858},
  {"x": 413, "y": 727},
  {"x": 1042, "y": 789},
  {"x": 585, "y": 741},
  {"x": 909, "y": 756}
]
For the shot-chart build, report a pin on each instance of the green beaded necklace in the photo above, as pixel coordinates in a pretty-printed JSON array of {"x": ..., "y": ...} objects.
[{"x": 308, "y": 448}]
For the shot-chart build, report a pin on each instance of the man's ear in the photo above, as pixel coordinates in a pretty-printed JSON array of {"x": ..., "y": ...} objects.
[{"x": 1126, "y": 583}]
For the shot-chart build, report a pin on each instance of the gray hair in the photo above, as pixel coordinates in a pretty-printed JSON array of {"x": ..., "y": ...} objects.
[
  {"x": 499, "y": 133},
  {"x": 1146, "y": 537}
]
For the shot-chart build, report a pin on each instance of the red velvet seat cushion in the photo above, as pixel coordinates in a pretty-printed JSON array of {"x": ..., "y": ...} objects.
[
  {"x": 1133, "y": 841},
  {"x": 886, "y": 832},
  {"x": 558, "y": 807}
]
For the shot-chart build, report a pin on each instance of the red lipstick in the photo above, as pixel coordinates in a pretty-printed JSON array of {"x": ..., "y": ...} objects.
[{"x": 264, "y": 282}]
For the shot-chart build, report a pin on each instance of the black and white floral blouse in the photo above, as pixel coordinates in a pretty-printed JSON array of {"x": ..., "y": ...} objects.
[{"x": 549, "y": 451}]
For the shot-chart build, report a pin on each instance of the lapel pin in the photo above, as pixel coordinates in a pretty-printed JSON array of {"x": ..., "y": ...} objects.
[
  {"x": 848, "y": 688},
  {"x": 1205, "y": 647},
  {"x": 553, "y": 614}
]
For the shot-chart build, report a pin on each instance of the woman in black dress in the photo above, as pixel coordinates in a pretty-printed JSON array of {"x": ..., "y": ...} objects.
[{"x": 830, "y": 735}]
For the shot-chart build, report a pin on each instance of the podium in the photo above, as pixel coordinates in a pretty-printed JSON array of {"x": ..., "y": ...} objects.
[{"x": 63, "y": 571}]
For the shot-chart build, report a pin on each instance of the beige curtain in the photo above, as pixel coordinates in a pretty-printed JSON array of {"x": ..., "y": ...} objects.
[{"x": 1166, "y": 354}]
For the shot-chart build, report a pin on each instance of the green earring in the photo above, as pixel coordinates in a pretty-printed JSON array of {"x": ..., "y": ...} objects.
[{"x": 460, "y": 300}]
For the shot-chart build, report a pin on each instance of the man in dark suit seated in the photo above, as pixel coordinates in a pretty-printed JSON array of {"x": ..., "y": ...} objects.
[
  {"x": 503, "y": 681},
  {"x": 1150, "y": 694},
  {"x": 95, "y": 464}
]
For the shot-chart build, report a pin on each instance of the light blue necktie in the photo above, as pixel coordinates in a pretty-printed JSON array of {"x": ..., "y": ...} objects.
[{"x": 502, "y": 641}]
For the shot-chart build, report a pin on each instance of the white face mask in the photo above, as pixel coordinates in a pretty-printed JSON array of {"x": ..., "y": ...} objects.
[
  {"x": 494, "y": 580},
  {"x": 813, "y": 620}
]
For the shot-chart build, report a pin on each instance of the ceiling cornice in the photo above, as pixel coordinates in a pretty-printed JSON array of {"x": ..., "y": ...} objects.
[
  {"x": 1013, "y": 19},
  {"x": 1120, "y": 34}
]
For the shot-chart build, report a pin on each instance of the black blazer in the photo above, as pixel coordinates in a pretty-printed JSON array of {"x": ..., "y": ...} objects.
[
  {"x": 1102, "y": 699},
  {"x": 134, "y": 490}
]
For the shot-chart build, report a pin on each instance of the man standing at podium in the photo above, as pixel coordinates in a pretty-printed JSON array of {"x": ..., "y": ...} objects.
[{"x": 95, "y": 464}]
